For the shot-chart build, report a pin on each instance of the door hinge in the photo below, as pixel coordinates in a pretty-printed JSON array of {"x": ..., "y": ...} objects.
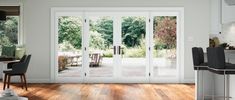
[
  {"x": 149, "y": 74},
  {"x": 149, "y": 20},
  {"x": 85, "y": 48},
  {"x": 85, "y": 74}
]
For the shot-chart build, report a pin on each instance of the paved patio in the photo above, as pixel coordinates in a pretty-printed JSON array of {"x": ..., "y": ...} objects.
[{"x": 130, "y": 67}]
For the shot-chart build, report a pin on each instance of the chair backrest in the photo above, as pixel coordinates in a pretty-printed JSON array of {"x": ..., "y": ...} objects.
[
  {"x": 23, "y": 58},
  {"x": 26, "y": 63},
  {"x": 95, "y": 57},
  {"x": 216, "y": 57},
  {"x": 198, "y": 56},
  {"x": 22, "y": 68}
]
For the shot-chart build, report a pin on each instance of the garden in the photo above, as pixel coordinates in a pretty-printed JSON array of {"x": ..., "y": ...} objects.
[{"x": 133, "y": 36}]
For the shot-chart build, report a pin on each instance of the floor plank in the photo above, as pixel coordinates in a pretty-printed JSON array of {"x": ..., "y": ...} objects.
[{"x": 106, "y": 91}]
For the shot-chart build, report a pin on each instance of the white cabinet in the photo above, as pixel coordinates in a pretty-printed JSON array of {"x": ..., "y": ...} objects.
[
  {"x": 221, "y": 14},
  {"x": 228, "y": 13},
  {"x": 215, "y": 17}
]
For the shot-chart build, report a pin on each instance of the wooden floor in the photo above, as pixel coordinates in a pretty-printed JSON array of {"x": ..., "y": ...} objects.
[{"x": 107, "y": 91}]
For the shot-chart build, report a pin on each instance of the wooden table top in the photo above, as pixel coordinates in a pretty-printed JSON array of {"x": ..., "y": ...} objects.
[{"x": 10, "y": 61}]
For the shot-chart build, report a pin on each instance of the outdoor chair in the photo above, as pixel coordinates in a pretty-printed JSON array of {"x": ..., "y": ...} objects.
[{"x": 95, "y": 59}]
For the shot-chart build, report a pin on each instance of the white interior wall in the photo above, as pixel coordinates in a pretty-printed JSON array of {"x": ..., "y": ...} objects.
[{"x": 37, "y": 28}]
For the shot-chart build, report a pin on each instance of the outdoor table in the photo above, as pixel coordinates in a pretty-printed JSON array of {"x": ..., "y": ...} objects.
[{"x": 74, "y": 59}]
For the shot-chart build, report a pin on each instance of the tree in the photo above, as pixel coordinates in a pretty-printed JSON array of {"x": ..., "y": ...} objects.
[
  {"x": 165, "y": 30},
  {"x": 104, "y": 26},
  {"x": 70, "y": 30},
  {"x": 133, "y": 30},
  {"x": 96, "y": 41},
  {"x": 9, "y": 30},
  {"x": 4, "y": 40}
]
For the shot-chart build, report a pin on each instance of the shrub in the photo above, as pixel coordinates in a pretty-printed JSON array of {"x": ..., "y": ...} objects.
[
  {"x": 165, "y": 30},
  {"x": 159, "y": 53},
  {"x": 135, "y": 52},
  {"x": 4, "y": 40},
  {"x": 138, "y": 51},
  {"x": 166, "y": 53},
  {"x": 108, "y": 53},
  {"x": 66, "y": 46},
  {"x": 96, "y": 41}
]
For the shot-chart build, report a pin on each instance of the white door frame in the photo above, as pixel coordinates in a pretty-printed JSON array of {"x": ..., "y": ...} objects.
[
  {"x": 179, "y": 44},
  {"x": 88, "y": 78},
  {"x": 138, "y": 79},
  {"x": 117, "y": 78},
  {"x": 54, "y": 34},
  {"x": 55, "y": 30}
]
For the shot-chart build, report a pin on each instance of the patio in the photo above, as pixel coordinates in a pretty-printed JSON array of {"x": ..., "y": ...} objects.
[{"x": 131, "y": 67}]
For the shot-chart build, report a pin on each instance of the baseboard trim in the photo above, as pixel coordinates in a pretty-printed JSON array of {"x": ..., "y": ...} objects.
[
  {"x": 39, "y": 81},
  {"x": 49, "y": 81},
  {"x": 188, "y": 80},
  {"x": 17, "y": 80}
]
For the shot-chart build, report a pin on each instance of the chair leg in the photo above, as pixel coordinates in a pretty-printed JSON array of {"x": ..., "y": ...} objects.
[
  {"x": 25, "y": 82},
  {"x": 203, "y": 96},
  {"x": 22, "y": 81},
  {"x": 5, "y": 81},
  {"x": 9, "y": 80},
  {"x": 225, "y": 86}
]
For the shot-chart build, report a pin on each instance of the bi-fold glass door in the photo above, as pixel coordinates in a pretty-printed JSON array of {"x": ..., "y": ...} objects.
[
  {"x": 100, "y": 51},
  {"x": 117, "y": 46},
  {"x": 133, "y": 47},
  {"x": 164, "y": 39},
  {"x": 69, "y": 48}
]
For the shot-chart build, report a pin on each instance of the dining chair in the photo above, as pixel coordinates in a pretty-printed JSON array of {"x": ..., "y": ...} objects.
[
  {"x": 9, "y": 65},
  {"x": 18, "y": 69}
]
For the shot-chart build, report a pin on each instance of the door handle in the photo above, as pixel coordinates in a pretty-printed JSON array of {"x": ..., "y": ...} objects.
[
  {"x": 119, "y": 50},
  {"x": 114, "y": 50}
]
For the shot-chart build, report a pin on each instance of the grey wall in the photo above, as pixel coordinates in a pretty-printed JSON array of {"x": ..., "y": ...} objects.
[{"x": 37, "y": 28}]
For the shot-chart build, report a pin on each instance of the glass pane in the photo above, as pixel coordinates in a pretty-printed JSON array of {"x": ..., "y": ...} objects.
[
  {"x": 101, "y": 46},
  {"x": 9, "y": 30},
  {"x": 70, "y": 46},
  {"x": 164, "y": 52},
  {"x": 133, "y": 49}
]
